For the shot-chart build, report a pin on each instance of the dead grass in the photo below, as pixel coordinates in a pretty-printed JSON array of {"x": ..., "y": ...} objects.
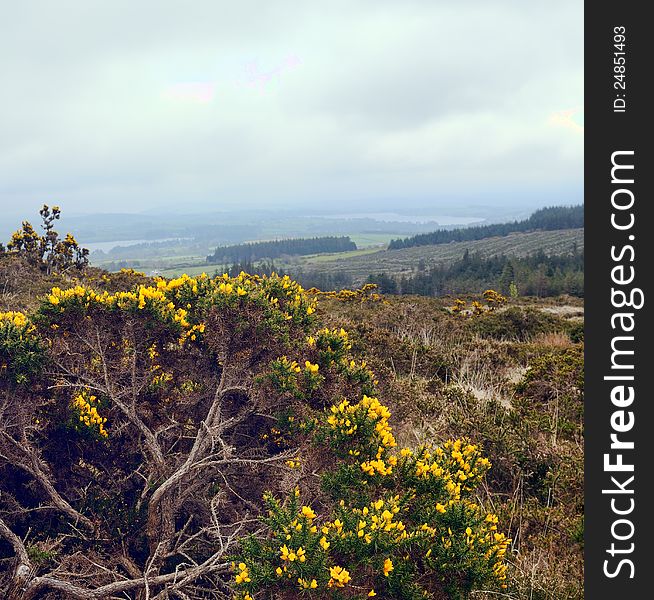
[{"x": 553, "y": 339}]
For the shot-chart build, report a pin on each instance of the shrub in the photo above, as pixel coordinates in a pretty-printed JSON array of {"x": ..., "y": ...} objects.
[
  {"x": 394, "y": 524},
  {"x": 515, "y": 323},
  {"x": 48, "y": 251},
  {"x": 21, "y": 353}
]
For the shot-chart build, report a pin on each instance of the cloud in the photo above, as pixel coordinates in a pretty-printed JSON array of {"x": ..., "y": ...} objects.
[{"x": 126, "y": 106}]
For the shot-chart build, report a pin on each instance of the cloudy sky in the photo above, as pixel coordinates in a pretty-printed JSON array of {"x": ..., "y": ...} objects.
[{"x": 116, "y": 105}]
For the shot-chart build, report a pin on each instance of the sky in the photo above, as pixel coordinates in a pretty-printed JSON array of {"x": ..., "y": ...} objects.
[{"x": 130, "y": 106}]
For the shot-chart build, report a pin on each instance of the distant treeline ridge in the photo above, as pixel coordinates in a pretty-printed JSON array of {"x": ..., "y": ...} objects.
[
  {"x": 535, "y": 275},
  {"x": 274, "y": 249},
  {"x": 547, "y": 219}
]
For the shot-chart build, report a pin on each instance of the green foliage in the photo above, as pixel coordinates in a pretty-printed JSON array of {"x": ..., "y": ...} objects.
[
  {"x": 398, "y": 526},
  {"x": 576, "y": 331},
  {"x": 516, "y": 323},
  {"x": 21, "y": 351},
  {"x": 270, "y": 250},
  {"x": 563, "y": 368},
  {"x": 538, "y": 274},
  {"x": 554, "y": 380}
]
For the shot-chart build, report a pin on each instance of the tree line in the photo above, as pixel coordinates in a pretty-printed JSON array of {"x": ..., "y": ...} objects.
[
  {"x": 274, "y": 249},
  {"x": 548, "y": 219},
  {"x": 535, "y": 275}
]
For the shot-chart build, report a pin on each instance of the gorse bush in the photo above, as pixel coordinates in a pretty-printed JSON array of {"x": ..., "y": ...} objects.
[
  {"x": 516, "y": 323},
  {"x": 399, "y": 524},
  {"x": 21, "y": 352},
  {"x": 493, "y": 300},
  {"x": 140, "y": 428},
  {"x": 48, "y": 251}
]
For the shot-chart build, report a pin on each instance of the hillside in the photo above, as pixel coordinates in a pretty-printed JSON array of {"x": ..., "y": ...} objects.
[
  {"x": 239, "y": 437},
  {"x": 545, "y": 219},
  {"x": 156, "y": 413},
  {"x": 398, "y": 262}
]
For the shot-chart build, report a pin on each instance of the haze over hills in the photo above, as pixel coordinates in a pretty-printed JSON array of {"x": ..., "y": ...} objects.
[
  {"x": 99, "y": 225},
  {"x": 394, "y": 244}
]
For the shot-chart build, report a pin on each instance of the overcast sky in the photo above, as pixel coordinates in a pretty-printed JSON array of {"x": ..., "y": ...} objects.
[{"x": 116, "y": 105}]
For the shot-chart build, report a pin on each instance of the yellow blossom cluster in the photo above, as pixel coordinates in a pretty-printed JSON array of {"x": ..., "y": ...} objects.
[
  {"x": 21, "y": 350},
  {"x": 396, "y": 534},
  {"x": 22, "y": 324},
  {"x": 366, "y": 425},
  {"x": 370, "y": 523},
  {"x": 86, "y": 407},
  {"x": 388, "y": 566},
  {"x": 243, "y": 575},
  {"x": 143, "y": 297},
  {"x": 131, "y": 271},
  {"x": 291, "y": 555},
  {"x": 17, "y": 319},
  {"x": 161, "y": 378},
  {"x": 458, "y": 306},
  {"x": 337, "y": 333},
  {"x": 494, "y": 299},
  {"x": 175, "y": 300},
  {"x": 339, "y": 577},
  {"x": 457, "y": 465},
  {"x": 290, "y": 365},
  {"x": 305, "y": 584}
]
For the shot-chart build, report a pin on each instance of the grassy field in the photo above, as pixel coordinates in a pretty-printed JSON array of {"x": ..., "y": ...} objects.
[{"x": 367, "y": 240}]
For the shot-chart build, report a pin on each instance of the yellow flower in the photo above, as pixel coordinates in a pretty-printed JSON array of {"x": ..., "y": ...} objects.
[
  {"x": 308, "y": 512},
  {"x": 243, "y": 576},
  {"x": 388, "y": 566},
  {"x": 305, "y": 584},
  {"x": 339, "y": 577}
]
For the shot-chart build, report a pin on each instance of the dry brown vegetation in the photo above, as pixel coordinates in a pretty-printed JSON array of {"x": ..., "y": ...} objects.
[{"x": 510, "y": 380}]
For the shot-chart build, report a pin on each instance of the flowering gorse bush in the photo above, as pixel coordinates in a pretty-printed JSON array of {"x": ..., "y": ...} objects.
[
  {"x": 366, "y": 293},
  {"x": 48, "y": 251},
  {"x": 155, "y": 417},
  {"x": 85, "y": 406},
  {"x": 21, "y": 352},
  {"x": 493, "y": 300},
  {"x": 393, "y": 524}
]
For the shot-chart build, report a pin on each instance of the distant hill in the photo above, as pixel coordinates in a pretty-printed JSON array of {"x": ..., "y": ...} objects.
[
  {"x": 274, "y": 249},
  {"x": 546, "y": 219},
  {"x": 355, "y": 269}
]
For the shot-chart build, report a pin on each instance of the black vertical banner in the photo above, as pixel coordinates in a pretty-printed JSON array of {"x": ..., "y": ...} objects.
[{"x": 620, "y": 257}]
